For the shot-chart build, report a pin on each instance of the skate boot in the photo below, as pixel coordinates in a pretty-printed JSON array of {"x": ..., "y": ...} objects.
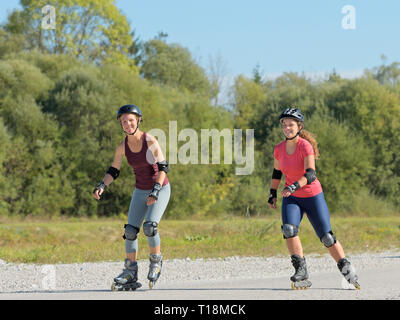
[
  {"x": 154, "y": 269},
  {"x": 300, "y": 278},
  {"x": 127, "y": 280},
  {"x": 349, "y": 273}
]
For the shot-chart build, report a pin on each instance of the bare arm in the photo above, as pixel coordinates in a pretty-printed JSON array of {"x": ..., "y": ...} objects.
[
  {"x": 158, "y": 156},
  {"x": 155, "y": 148},
  {"x": 118, "y": 157},
  {"x": 108, "y": 179},
  {"x": 274, "y": 186},
  {"x": 275, "y": 182}
]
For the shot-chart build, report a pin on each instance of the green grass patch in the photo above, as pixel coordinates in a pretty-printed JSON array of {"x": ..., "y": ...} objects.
[{"x": 83, "y": 240}]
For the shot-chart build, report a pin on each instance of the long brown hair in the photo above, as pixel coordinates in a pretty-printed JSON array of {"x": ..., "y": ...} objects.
[{"x": 311, "y": 139}]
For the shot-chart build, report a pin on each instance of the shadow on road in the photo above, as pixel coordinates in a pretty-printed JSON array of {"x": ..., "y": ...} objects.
[
  {"x": 54, "y": 291},
  {"x": 165, "y": 289}
]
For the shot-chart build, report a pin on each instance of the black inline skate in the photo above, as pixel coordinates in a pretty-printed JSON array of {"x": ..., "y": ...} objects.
[
  {"x": 300, "y": 278},
  {"x": 127, "y": 280},
  {"x": 348, "y": 272},
  {"x": 154, "y": 269}
]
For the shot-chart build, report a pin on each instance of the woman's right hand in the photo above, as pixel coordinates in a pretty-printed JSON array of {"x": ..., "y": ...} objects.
[
  {"x": 273, "y": 204},
  {"x": 98, "y": 191},
  {"x": 272, "y": 199}
]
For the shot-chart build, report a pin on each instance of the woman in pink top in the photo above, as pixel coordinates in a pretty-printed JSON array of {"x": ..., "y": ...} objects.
[{"x": 295, "y": 158}]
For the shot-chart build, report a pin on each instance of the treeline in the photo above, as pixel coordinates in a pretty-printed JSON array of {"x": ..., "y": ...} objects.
[{"x": 60, "y": 90}]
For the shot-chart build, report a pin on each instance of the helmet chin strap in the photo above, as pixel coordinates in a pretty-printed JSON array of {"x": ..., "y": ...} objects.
[
  {"x": 294, "y": 136},
  {"x": 132, "y": 134}
]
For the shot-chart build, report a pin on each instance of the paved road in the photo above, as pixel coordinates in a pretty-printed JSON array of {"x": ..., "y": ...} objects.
[{"x": 375, "y": 285}]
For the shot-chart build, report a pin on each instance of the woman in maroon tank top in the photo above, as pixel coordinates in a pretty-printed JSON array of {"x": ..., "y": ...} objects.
[{"x": 149, "y": 199}]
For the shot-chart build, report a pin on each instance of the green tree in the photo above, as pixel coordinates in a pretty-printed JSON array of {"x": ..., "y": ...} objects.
[
  {"x": 248, "y": 96},
  {"x": 386, "y": 74},
  {"x": 89, "y": 29},
  {"x": 5, "y": 184},
  {"x": 11, "y": 43},
  {"x": 372, "y": 112},
  {"x": 257, "y": 74},
  {"x": 172, "y": 65},
  {"x": 79, "y": 101},
  {"x": 345, "y": 161},
  {"x": 19, "y": 78},
  {"x": 30, "y": 162}
]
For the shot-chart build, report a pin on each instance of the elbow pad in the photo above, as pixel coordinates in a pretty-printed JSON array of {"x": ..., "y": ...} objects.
[
  {"x": 113, "y": 172},
  {"x": 163, "y": 166},
  {"x": 277, "y": 174},
  {"x": 310, "y": 175}
]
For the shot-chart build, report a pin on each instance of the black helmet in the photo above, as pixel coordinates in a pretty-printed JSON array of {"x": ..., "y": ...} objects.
[
  {"x": 292, "y": 113},
  {"x": 129, "y": 108}
]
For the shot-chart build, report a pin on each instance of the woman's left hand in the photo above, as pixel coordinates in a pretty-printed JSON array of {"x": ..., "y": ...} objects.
[
  {"x": 286, "y": 193},
  {"x": 150, "y": 201}
]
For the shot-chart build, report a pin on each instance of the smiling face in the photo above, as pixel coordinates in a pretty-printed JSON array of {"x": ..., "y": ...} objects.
[
  {"x": 129, "y": 122},
  {"x": 290, "y": 127}
]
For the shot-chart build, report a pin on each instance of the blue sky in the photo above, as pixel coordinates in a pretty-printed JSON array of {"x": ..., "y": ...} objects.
[{"x": 281, "y": 36}]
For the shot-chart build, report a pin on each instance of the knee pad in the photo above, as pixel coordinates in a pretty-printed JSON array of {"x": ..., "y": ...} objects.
[
  {"x": 289, "y": 230},
  {"x": 328, "y": 239},
  {"x": 131, "y": 232},
  {"x": 150, "y": 228}
]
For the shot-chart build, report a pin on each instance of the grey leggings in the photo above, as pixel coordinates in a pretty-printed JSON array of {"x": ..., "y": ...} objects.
[{"x": 139, "y": 211}]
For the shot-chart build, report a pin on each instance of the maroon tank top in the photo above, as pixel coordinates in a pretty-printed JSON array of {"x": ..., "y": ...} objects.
[{"x": 143, "y": 164}]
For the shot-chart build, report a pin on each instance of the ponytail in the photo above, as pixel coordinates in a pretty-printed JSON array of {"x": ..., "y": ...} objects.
[{"x": 311, "y": 139}]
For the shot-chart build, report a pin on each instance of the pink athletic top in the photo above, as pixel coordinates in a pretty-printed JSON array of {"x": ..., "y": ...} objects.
[
  {"x": 292, "y": 166},
  {"x": 146, "y": 172}
]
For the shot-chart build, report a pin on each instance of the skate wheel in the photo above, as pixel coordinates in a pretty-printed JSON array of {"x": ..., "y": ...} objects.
[
  {"x": 294, "y": 287},
  {"x": 302, "y": 285},
  {"x": 298, "y": 288},
  {"x": 114, "y": 287},
  {"x": 357, "y": 286},
  {"x": 151, "y": 285}
]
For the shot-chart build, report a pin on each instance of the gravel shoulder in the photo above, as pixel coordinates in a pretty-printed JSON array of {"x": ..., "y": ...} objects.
[{"x": 18, "y": 280}]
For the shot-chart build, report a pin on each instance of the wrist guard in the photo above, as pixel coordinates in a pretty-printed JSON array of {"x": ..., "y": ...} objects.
[
  {"x": 101, "y": 185},
  {"x": 272, "y": 195},
  {"x": 156, "y": 190},
  {"x": 293, "y": 187}
]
